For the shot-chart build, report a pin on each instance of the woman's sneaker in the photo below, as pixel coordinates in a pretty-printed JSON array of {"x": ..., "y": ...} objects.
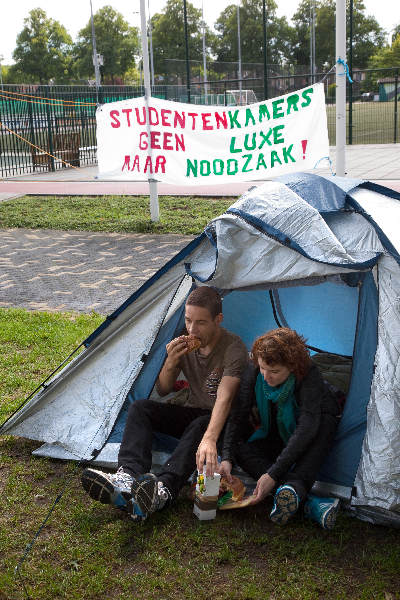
[
  {"x": 109, "y": 488},
  {"x": 322, "y": 510},
  {"x": 286, "y": 503}
]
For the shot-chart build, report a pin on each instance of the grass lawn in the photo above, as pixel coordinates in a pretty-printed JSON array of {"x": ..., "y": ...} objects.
[
  {"x": 90, "y": 551},
  {"x": 184, "y": 215},
  {"x": 373, "y": 123}
]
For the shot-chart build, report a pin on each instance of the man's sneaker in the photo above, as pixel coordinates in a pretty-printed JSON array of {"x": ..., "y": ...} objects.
[
  {"x": 149, "y": 494},
  {"x": 286, "y": 503},
  {"x": 109, "y": 488}
]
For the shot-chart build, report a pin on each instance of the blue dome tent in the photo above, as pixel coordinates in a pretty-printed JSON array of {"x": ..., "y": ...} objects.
[{"x": 319, "y": 254}]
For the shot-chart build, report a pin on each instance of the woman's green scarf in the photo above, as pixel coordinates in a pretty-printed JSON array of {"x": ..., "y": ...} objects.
[{"x": 284, "y": 396}]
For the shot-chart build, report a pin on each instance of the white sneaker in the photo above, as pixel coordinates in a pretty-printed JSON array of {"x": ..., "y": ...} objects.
[{"x": 109, "y": 488}]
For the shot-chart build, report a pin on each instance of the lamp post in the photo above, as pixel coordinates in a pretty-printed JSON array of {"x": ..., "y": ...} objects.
[
  {"x": 239, "y": 54},
  {"x": 95, "y": 55},
  {"x": 203, "y": 30},
  {"x": 151, "y": 47},
  {"x": 187, "y": 51},
  {"x": 1, "y": 71},
  {"x": 265, "y": 52}
]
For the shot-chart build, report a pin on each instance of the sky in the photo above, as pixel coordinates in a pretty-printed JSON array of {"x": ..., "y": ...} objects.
[{"x": 74, "y": 14}]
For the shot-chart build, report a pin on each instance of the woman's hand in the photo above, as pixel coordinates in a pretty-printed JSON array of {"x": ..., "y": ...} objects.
[
  {"x": 264, "y": 486},
  {"x": 224, "y": 469}
]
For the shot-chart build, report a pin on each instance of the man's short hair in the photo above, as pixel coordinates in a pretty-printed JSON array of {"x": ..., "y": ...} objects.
[{"x": 206, "y": 297}]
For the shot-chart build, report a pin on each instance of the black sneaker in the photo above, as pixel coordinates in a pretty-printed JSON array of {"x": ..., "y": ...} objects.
[{"x": 148, "y": 495}]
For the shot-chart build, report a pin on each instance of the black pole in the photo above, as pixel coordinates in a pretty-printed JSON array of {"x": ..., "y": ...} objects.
[
  {"x": 265, "y": 52},
  {"x": 187, "y": 52},
  {"x": 351, "y": 76},
  {"x": 396, "y": 81}
]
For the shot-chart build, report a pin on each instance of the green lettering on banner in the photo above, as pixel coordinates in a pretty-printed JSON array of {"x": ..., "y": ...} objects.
[
  {"x": 253, "y": 143},
  {"x": 249, "y": 116},
  {"x": 232, "y": 148},
  {"x": 278, "y": 139},
  {"x": 235, "y": 166},
  {"x": 265, "y": 138},
  {"x": 306, "y": 95},
  {"x": 233, "y": 119},
  {"x": 221, "y": 166},
  {"x": 248, "y": 159},
  {"x": 275, "y": 158},
  {"x": 287, "y": 155},
  {"x": 205, "y": 168},
  {"x": 263, "y": 112},
  {"x": 292, "y": 103},
  {"x": 191, "y": 166},
  {"x": 261, "y": 162},
  {"x": 277, "y": 111}
]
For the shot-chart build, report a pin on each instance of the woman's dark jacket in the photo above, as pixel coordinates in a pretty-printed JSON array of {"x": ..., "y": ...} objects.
[{"x": 315, "y": 399}]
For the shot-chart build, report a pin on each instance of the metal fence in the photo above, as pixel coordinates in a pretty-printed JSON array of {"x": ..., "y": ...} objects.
[{"x": 38, "y": 121}]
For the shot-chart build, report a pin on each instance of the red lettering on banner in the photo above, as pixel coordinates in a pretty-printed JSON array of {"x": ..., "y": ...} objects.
[
  {"x": 181, "y": 119},
  {"x": 193, "y": 115},
  {"x": 164, "y": 117},
  {"x": 127, "y": 111},
  {"x": 114, "y": 114},
  {"x": 138, "y": 117},
  {"x": 160, "y": 163},
  {"x": 206, "y": 121},
  {"x": 143, "y": 145},
  {"x": 179, "y": 141},
  {"x": 151, "y": 111},
  {"x": 166, "y": 141},
  {"x": 148, "y": 165},
  {"x": 154, "y": 142},
  {"x": 135, "y": 163},
  {"x": 167, "y": 138},
  {"x": 221, "y": 120}
]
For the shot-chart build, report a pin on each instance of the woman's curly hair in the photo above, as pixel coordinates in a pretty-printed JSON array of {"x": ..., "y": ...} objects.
[{"x": 283, "y": 346}]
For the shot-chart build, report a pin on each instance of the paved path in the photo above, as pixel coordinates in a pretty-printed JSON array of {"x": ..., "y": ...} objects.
[
  {"x": 374, "y": 162},
  {"x": 84, "y": 271},
  {"x": 80, "y": 271}
]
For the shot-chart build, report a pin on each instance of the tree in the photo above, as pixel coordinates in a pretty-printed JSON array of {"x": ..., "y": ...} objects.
[
  {"x": 367, "y": 34},
  {"x": 116, "y": 41},
  {"x": 387, "y": 57},
  {"x": 168, "y": 37},
  {"x": 251, "y": 34},
  {"x": 43, "y": 49}
]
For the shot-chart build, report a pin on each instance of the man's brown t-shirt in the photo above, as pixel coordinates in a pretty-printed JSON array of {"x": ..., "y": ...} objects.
[{"x": 204, "y": 373}]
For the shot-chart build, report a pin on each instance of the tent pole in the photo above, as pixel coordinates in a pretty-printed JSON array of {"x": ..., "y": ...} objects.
[
  {"x": 154, "y": 207},
  {"x": 340, "y": 87}
]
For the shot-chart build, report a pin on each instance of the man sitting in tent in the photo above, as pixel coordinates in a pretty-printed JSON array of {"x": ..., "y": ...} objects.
[{"x": 213, "y": 372}]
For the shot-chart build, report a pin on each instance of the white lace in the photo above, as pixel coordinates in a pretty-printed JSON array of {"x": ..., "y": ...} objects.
[
  {"x": 162, "y": 492},
  {"x": 121, "y": 477}
]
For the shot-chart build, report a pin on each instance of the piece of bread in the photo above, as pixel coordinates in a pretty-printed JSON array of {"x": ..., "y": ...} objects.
[
  {"x": 192, "y": 342},
  {"x": 236, "y": 486}
]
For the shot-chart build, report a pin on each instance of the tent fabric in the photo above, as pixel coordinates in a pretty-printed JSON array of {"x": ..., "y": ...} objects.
[{"x": 330, "y": 249}]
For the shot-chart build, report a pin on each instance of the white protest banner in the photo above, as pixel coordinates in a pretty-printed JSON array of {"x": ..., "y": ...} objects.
[{"x": 198, "y": 144}]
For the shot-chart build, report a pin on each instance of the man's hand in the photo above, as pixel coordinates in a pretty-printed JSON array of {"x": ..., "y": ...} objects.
[
  {"x": 175, "y": 349},
  {"x": 207, "y": 453},
  {"x": 170, "y": 371},
  {"x": 224, "y": 469},
  {"x": 264, "y": 486}
]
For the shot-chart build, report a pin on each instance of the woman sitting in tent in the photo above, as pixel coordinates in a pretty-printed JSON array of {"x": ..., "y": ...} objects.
[{"x": 282, "y": 426}]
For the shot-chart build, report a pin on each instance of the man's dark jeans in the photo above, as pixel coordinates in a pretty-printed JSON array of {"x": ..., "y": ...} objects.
[{"x": 185, "y": 423}]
